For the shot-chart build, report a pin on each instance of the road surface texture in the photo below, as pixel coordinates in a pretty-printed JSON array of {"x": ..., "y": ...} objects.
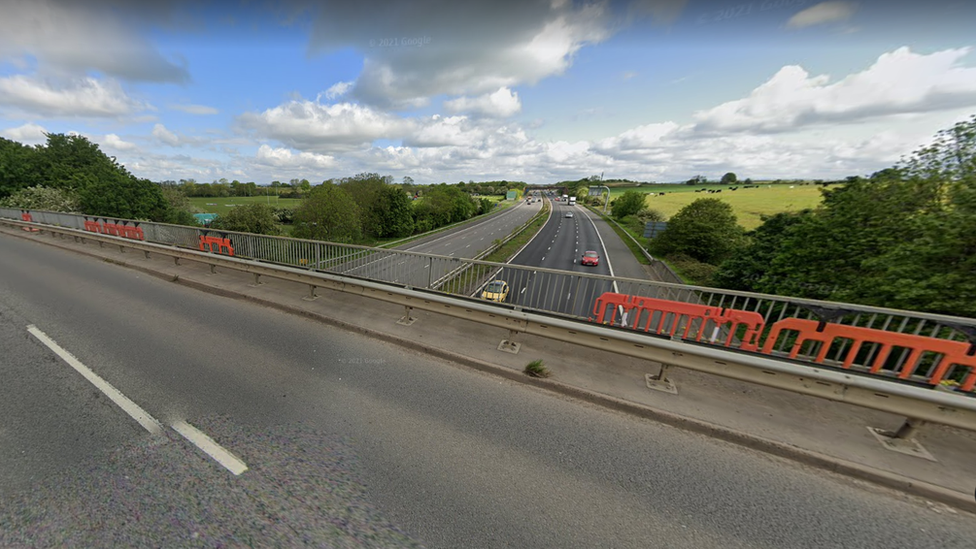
[{"x": 349, "y": 441}]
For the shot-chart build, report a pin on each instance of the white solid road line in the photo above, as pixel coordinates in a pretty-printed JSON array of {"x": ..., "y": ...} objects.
[
  {"x": 230, "y": 462},
  {"x": 105, "y": 387}
]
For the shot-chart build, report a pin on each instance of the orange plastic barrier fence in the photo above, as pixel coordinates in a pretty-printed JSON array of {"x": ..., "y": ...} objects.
[
  {"x": 116, "y": 229},
  {"x": 953, "y": 352},
  {"x": 207, "y": 244},
  {"x": 637, "y": 306},
  {"x": 692, "y": 312},
  {"x": 753, "y": 322},
  {"x": 26, "y": 216},
  {"x": 612, "y": 300}
]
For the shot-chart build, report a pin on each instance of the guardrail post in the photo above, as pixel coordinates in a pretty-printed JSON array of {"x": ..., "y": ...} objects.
[
  {"x": 147, "y": 254},
  {"x": 660, "y": 381},
  {"x": 407, "y": 319},
  {"x": 510, "y": 345},
  {"x": 176, "y": 260},
  {"x": 121, "y": 249},
  {"x": 257, "y": 281},
  {"x": 311, "y": 293},
  {"x": 213, "y": 269},
  {"x": 902, "y": 440}
]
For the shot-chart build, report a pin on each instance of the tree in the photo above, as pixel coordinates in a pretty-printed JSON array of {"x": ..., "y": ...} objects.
[
  {"x": 728, "y": 179},
  {"x": 749, "y": 268},
  {"x": 629, "y": 203},
  {"x": 396, "y": 213},
  {"x": 705, "y": 230},
  {"x": 43, "y": 198},
  {"x": 328, "y": 213},
  {"x": 253, "y": 218}
]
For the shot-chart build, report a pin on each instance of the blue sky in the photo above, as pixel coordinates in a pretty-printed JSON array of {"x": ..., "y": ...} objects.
[{"x": 539, "y": 91}]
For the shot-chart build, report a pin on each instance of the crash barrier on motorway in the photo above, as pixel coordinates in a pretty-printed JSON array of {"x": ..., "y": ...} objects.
[
  {"x": 875, "y": 351},
  {"x": 744, "y": 315},
  {"x": 890, "y": 354}
]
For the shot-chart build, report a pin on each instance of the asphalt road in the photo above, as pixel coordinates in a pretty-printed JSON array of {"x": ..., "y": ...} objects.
[
  {"x": 463, "y": 242},
  {"x": 560, "y": 245},
  {"x": 353, "y": 442}
]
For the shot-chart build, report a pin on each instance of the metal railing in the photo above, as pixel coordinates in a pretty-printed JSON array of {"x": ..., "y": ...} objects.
[
  {"x": 569, "y": 294},
  {"x": 914, "y": 402}
]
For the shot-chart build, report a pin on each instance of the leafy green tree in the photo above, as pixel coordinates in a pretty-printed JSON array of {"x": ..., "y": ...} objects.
[
  {"x": 396, "y": 212},
  {"x": 706, "y": 230},
  {"x": 628, "y": 203},
  {"x": 16, "y": 167},
  {"x": 328, "y": 213},
  {"x": 253, "y": 218},
  {"x": 729, "y": 179},
  {"x": 366, "y": 189},
  {"x": 748, "y": 268},
  {"x": 43, "y": 198}
]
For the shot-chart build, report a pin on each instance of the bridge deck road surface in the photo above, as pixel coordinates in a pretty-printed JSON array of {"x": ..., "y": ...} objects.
[{"x": 353, "y": 442}]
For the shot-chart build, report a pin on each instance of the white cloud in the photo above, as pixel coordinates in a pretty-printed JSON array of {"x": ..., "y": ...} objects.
[
  {"x": 165, "y": 136},
  {"x": 311, "y": 126},
  {"x": 75, "y": 37},
  {"x": 337, "y": 90},
  {"x": 78, "y": 97},
  {"x": 458, "y": 48},
  {"x": 824, "y": 12},
  {"x": 899, "y": 82},
  {"x": 284, "y": 158},
  {"x": 195, "y": 109},
  {"x": 115, "y": 142},
  {"x": 29, "y": 133},
  {"x": 502, "y": 103}
]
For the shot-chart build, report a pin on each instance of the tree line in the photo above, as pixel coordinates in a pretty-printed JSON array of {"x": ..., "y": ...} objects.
[{"x": 69, "y": 173}]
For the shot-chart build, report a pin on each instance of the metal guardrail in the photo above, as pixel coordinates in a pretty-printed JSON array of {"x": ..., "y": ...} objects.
[
  {"x": 570, "y": 294},
  {"x": 954, "y": 410}
]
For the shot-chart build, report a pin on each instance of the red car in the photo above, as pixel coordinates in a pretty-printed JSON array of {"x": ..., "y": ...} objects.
[{"x": 590, "y": 258}]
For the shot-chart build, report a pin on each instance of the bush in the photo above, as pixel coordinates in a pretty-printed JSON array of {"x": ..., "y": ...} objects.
[{"x": 705, "y": 230}]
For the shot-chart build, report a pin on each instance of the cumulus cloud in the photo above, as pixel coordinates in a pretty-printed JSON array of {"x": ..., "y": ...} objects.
[
  {"x": 428, "y": 48},
  {"x": 76, "y": 37},
  {"x": 29, "y": 133},
  {"x": 284, "y": 158},
  {"x": 165, "y": 136},
  {"x": 77, "y": 97},
  {"x": 312, "y": 126},
  {"x": 899, "y": 82},
  {"x": 502, "y": 103},
  {"x": 115, "y": 142},
  {"x": 195, "y": 109},
  {"x": 824, "y": 12}
]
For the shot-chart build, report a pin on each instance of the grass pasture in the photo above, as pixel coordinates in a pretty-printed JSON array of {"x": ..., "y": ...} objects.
[
  {"x": 221, "y": 206},
  {"x": 748, "y": 204}
]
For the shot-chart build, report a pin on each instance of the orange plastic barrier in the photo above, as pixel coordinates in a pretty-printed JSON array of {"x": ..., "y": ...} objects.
[
  {"x": 117, "y": 229},
  {"x": 754, "y": 323},
  {"x": 638, "y": 305},
  {"x": 612, "y": 300},
  {"x": 678, "y": 309},
  {"x": 207, "y": 244},
  {"x": 953, "y": 352},
  {"x": 26, "y": 216}
]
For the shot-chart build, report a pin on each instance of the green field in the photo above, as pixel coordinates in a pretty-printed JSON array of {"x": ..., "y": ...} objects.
[
  {"x": 221, "y": 206},
  {"x": 748, "y": 204}
]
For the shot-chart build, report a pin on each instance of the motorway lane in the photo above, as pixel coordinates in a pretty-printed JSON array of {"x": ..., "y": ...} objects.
[
  {"x": 560, "y": 245},
  {"x": 463, "y": 242},
  {"x": 344, "y": 435}
]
